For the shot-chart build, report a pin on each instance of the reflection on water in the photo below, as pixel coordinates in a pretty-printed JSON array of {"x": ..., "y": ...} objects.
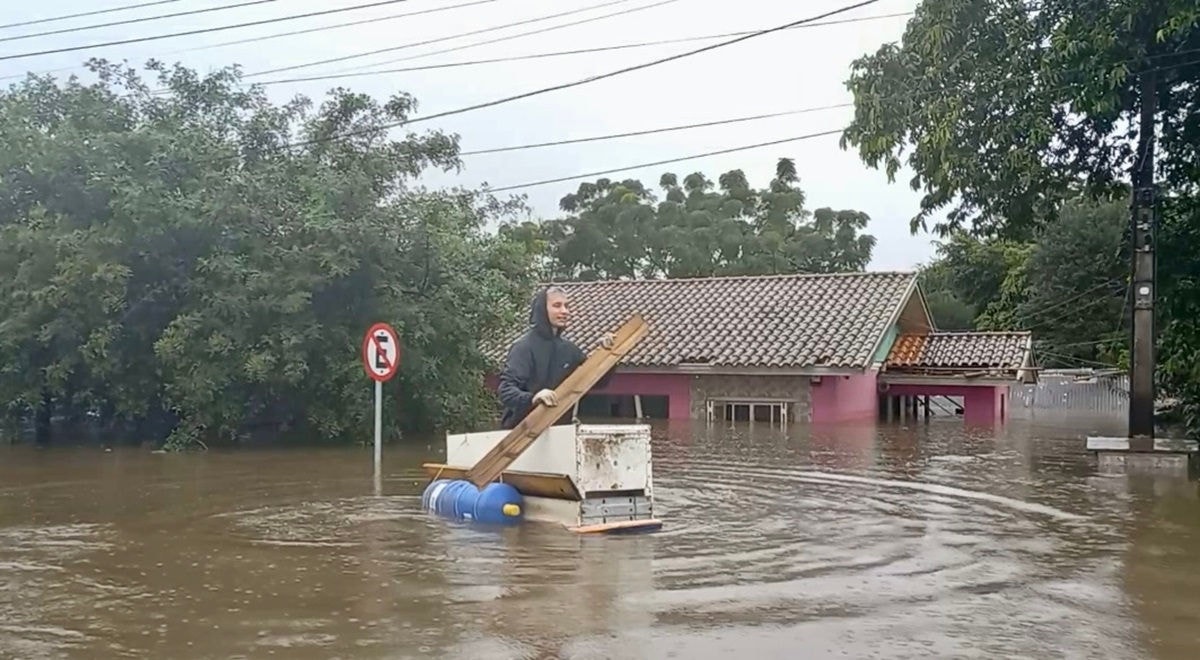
[{"x": 823, "y": 542}]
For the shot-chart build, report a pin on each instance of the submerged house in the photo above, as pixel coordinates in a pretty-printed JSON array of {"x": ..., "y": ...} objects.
[{"x": 779, "y": 348}]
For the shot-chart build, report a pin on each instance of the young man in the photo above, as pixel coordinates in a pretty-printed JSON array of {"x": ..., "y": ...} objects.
[{"x": 542, "y": 358}]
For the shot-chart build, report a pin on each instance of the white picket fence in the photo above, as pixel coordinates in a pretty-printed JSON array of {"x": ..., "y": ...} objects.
[{"x": 1102, "y": 393}]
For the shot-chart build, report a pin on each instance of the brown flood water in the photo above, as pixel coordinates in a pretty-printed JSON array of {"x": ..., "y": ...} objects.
[{"x": 933, "y": 541}]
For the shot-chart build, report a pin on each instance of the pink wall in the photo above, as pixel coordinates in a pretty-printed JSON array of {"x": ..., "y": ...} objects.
[
  {"x": 676, "y": 387},
  {"x": 844, "y": 398},
  {"x": 982, "y": 404}
]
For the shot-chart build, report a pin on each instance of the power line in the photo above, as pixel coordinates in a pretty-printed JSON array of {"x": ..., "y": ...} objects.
[
  {"x": 1032, "y": 314},
  {"x": 130, "y": 21},
  {"x": 218, "y": 28},
  {"x": 558, "y": 53},
  {"x": 322, "y": 28},
  {"x": 493, "y": 28},
  {"x": 651, "y": 131},
  {"x": 650, "y": 43},
  {"x": 111, "y": 10},
  {"x": 352, "y": 73},
  {"x": 668, "y": 161},
  {"x": 767, "y": 144},
  {"x": 519, "y": 35},
  {"x": 589, "y": 79},
  {"x": 290, "y": 33}
]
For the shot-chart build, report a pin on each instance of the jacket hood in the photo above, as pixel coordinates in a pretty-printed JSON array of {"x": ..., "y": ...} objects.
[{"x": 538, "y": 317}]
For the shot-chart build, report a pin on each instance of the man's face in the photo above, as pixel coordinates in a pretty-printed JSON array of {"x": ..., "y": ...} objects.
[{"x": 558, "y": 309}]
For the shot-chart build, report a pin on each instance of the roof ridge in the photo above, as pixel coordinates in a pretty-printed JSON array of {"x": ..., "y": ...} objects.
[
  {"x": 977, "y": 333},
  {"x": 719, "y": 278}
]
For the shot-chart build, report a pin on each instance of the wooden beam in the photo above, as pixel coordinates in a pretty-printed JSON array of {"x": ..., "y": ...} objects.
[
  {"x": 568, "y": 393},
  {"x": 534, "y": 484}
]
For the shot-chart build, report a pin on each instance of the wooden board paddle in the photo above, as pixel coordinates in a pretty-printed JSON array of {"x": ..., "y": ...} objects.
[
  {"x": 618, "y": 526},
  {"x": 568, "y": 393}
]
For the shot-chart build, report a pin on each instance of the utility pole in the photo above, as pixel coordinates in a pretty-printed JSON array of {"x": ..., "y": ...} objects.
[{"x": 1144, "y": 225}]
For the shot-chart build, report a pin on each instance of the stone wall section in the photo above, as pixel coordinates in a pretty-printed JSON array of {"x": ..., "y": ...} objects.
[{"x": 749, "y": 388}]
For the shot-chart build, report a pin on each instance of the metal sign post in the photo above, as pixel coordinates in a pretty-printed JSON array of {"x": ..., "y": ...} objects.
[{"x": 381, "y": 359}]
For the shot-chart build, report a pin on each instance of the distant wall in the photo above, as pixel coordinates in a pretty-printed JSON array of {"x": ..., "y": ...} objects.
[
  {"x": 795, "y": 389},
  {"x": 845, "y": 398},
  {"x": 1074, "y": 391}
]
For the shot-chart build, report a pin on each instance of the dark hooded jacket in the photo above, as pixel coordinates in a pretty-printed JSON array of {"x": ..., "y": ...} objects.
[{"x": 541, "y": 359}]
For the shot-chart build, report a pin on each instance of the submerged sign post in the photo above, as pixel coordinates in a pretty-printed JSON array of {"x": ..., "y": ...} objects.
[{"x": 381, "y": 359}]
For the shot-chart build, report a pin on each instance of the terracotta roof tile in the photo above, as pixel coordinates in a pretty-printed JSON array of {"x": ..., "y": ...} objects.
[
  {"x": 960, "y": 350},
  {"x": 829, "y": 320}
]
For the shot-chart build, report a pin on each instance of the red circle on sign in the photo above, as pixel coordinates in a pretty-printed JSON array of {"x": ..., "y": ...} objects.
[{"x": 381, "y": 352}]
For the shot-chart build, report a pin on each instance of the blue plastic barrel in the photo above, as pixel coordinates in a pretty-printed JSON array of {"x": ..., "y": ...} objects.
[
  {"x": 459, "y": 499},
  {"x": 499, "y": 503},
  {"x": 432, "y": 490},
  {"x": 464, "y": 501},
  {"x": 450, "y": 498}
]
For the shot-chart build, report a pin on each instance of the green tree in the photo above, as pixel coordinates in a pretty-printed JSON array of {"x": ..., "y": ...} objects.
[
  {"x": 1010, "y": 107},
  {"x": 1076, "y": 294},
  {"x": 1067, "y": 285},
  {"x": 949, "y": 310},
  {"x": 203, "y": 263},
  {"x": 1003, "y": 110},
  {"x": 700, "y": 228}
]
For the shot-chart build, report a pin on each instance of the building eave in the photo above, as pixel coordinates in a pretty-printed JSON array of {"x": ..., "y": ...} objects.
[
  {"x": 720, "y": 370},
  {"x": 894, "y": 317},
  {"x": 946, "y": 379}
]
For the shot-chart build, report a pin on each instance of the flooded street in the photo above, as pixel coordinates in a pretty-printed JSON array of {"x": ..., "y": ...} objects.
[{"x": 850, "y": 542}]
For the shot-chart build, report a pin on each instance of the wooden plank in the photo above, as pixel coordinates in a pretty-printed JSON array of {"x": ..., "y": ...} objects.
[
  {"x": 569, "y": 392},
  {"x": 627, "y": 526},
  {"x": 536, "y": 484}
]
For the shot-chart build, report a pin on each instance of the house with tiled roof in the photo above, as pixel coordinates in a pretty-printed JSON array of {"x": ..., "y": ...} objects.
[{"x": 817, "y": 347}]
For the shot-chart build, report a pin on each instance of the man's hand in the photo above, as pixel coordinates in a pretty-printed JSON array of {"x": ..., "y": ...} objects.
[
  {"x": 608, "y": 340},
  {"x": 546, "y": 398}
]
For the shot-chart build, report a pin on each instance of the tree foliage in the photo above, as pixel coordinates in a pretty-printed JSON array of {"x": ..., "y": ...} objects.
[
  {"x": 1067, "y": 285},
  {"x": 1011, "y": 106},
  {"x": 203, "y": 263},
  {"x": 1006, "y": 110},
  {"x": 949, "y": 309},
  {"x": 616, "y": 230}
]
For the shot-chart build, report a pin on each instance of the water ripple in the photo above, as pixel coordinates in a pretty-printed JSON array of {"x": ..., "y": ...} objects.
[{"x": 844, "y": 545}]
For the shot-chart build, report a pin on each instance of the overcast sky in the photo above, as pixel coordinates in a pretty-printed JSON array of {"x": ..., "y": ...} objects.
[{"x": 788, "y": 70}]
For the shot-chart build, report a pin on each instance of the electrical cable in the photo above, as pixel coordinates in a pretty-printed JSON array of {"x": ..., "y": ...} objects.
[
  {"x": 668, "y": 161},
  {"x": 652, "y": 131},
  {"x": 351, "y": 73},
  {"x": 652, "y": 43},
  {"x": 289, "y": 33},
  {"x": 589, "y": 79},
  {"x": 414, "y": 44},
  {"x": 218, "y": 28},
  {"x": 755, "y": 146},
  {"x": 96, "y": 12},
  {"x": 322, "y": 28},
  {"x": 130, "y": 21}
]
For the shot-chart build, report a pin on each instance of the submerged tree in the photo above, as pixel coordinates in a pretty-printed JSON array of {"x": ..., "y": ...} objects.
[{"x": 203, "y": 263}]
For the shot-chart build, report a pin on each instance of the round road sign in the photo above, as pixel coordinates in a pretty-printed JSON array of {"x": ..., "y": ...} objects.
[{"x": 381, "y": 352}]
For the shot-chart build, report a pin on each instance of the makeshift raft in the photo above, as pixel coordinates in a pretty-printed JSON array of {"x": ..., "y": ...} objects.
[{"x": 589, "y": 478}]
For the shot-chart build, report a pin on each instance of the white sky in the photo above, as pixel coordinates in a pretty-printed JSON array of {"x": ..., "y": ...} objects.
[{"x": 787, "y": 70}]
